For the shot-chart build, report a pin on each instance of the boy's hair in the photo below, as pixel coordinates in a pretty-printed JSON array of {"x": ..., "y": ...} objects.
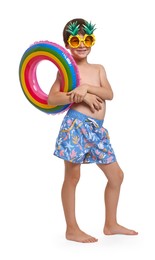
[{"x": 66, "y": 34}]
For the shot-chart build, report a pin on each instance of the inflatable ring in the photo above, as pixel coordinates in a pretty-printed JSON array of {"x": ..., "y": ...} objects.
[{"x": 66, "y": 65}]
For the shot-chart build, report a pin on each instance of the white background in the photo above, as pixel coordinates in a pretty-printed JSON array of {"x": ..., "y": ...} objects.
[{"x": 32, "y": 224}]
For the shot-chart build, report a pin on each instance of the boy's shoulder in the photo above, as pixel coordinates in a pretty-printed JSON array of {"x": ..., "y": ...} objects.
[{"x": 98, "y": 66}]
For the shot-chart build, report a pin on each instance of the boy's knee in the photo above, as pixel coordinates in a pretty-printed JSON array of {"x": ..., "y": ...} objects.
[
  {"x": 120, "y": 176},
  {"x": 72, "y": 172},
  {"x": 117, "y": 181},
  {"x": 75, "y": 179}
]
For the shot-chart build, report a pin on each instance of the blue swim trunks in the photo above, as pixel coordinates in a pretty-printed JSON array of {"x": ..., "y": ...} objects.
[{"x": 83, "y": 139}]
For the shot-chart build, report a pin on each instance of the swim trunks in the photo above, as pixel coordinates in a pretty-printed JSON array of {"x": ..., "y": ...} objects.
[{"x": 83, "y": 139}]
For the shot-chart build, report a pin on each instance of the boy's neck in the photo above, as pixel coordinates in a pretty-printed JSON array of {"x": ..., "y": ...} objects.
[{"x": 81, "y": 61}]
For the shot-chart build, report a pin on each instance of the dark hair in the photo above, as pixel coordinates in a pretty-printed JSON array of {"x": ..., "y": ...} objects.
[{"x": 66, "y": 34}]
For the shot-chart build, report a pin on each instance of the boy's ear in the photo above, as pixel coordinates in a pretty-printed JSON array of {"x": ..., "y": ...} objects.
[{"x": 67, "y": 46}]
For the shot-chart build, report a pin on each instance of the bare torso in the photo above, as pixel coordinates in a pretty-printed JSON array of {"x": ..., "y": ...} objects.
[
  {"x": 83, "y": 108},
  {"x": 89, "y": 73}
]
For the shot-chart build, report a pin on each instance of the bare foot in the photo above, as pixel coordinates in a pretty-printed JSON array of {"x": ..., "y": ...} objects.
[
  {"x": 118, "y": 229},
  {"x": 80, "y": 236}
]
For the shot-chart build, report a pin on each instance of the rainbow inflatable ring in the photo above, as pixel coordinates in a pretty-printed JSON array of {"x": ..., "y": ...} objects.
[{"x": 59, "y": 56}]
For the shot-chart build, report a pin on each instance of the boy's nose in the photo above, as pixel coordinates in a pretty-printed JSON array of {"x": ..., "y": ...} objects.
[{"x": 82, "y": 44}]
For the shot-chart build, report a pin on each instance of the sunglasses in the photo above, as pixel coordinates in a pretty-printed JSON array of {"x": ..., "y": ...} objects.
[{"x": 75, "y": 41}]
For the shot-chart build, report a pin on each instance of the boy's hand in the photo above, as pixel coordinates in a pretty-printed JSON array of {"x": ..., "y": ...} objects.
[
  {"x": 93, "y": 101},
  {"x": 77, "y": 95}
]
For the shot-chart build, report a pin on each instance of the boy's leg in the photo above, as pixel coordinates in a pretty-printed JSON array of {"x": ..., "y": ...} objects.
[
  {"x": 114, "y": 175},
  {"x": 72, "y": 176}
]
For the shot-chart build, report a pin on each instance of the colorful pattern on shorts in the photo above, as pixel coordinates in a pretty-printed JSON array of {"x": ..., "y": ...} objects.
[{"x": 83, "y": 139}]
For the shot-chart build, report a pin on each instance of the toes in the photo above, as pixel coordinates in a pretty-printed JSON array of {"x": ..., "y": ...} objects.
[
  {"x": 134, "y": 232},
  {"x": 90, "y": 240}
]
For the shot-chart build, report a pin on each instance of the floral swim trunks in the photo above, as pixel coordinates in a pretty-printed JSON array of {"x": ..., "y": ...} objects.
[{"x": 83, "y": 139}]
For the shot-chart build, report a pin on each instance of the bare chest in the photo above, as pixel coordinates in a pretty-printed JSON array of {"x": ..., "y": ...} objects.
[{"x": 90, "y": 76}]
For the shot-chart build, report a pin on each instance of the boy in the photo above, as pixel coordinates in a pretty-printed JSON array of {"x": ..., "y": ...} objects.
[{"x": 82, "y": 138}]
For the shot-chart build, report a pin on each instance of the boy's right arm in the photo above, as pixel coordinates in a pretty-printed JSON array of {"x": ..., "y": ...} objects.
[{"x": 57, "y": 97}]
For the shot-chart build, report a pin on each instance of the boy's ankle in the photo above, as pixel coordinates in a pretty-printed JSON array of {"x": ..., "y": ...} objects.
[{"x": 72, "y": 228}]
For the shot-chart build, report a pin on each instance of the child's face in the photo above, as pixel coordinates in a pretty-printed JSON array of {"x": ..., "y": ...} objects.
[{"x": 81, "y": 51}]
